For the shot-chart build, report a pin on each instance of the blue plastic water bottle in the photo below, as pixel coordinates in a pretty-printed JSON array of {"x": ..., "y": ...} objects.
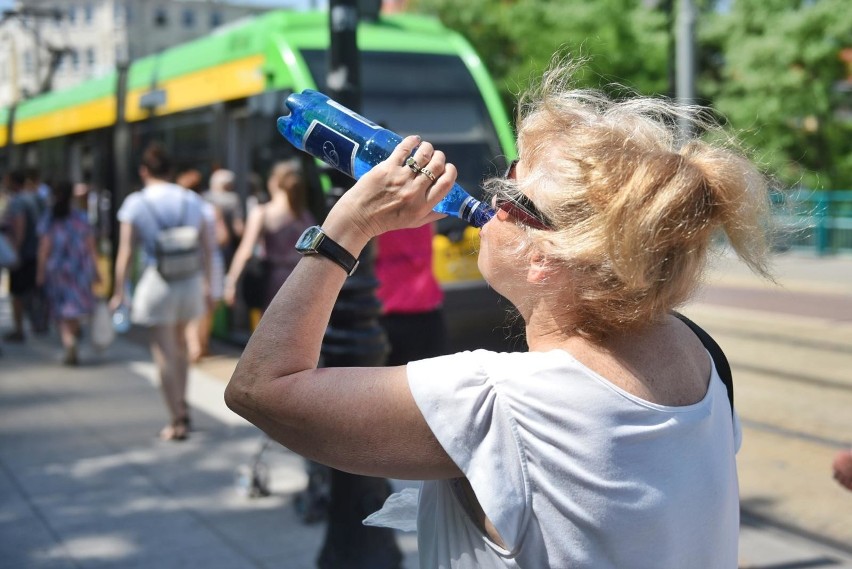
[
  {"x": 348, "y": 142},
  {"x": 121, "y": 319}
]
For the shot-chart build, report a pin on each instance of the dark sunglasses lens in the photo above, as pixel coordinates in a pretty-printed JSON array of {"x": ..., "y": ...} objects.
[{"x": 510, "y": 171}]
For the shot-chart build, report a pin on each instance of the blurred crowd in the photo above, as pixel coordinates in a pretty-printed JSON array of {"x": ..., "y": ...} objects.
[{"x": 190, "y": 252}]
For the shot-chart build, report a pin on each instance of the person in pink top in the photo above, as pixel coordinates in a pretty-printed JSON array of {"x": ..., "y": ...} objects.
[{"x": 411, "y": 297}]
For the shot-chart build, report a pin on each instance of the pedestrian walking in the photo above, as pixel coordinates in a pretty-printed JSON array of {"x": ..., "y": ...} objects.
[
  {"x": 21, "y": 219},
  {"x": 67, "y": 267},
  {"x": 198, "y": 331},
  {"x": 168, "y": 295},
  {"x": 222, "y": 195},
  {"x": 412, "y": 313},
  {"x": 612, "y": 441},
  {"x": 271, "y": 233}
]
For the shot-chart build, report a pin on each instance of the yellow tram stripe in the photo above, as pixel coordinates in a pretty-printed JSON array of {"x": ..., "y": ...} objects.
[
  {"x": 226, "y": 82},
  {"x": 87, "y": 116},
  {"x": 4, "y": 134},
  {"x": 232, "y": 80}
]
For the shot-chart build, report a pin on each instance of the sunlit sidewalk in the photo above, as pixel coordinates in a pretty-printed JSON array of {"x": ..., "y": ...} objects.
[{"x": 84, "y": 481}]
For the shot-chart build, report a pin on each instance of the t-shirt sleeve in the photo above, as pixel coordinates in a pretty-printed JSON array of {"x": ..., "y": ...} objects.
[
  {"x": 128, "y": 211},
  {"x": 465, "y": 410},
  {"x": 738, "y": 432}
]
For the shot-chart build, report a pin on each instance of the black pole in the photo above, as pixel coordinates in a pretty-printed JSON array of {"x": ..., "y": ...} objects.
[
  {"x": 120, "y": 158},
  {"x": 353, "y": 338},
  {"x": 11, "y": 149},
  {"x": 668, "y": 8}
]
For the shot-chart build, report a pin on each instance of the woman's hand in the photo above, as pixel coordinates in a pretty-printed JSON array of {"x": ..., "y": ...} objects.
[
  {"x": 229, "y": 294},
  {"x": 116, "y": 301},
  {"x": 392, "y": 195}
]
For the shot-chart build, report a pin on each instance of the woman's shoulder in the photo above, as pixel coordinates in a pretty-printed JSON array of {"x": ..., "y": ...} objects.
[
  {"x": 494, "y": 368},
  {"x": 132, "y": 199},
  {"x": 130, "y": 206}
]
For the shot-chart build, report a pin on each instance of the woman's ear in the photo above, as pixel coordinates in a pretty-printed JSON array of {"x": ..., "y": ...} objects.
[{"x": 538, "y": 269}]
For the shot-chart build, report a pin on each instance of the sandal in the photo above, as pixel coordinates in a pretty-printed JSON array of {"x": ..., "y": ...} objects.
[{"x": 178, "y": 430}]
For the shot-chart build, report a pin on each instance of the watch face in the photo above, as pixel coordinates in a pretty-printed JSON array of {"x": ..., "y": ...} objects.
[{"x": 309, "y": 240}]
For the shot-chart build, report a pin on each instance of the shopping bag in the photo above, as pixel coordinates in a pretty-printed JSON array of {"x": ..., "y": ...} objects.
[
  {"x": 8, "y": 256},
  {"x": 102, "y": 331}
]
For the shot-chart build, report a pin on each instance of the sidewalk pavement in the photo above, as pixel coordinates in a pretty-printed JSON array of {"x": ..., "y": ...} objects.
[{"x": 84, "y": 482}]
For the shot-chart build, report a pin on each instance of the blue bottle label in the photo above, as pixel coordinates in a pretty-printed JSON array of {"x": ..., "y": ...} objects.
[{"x": 333, "y": 148}]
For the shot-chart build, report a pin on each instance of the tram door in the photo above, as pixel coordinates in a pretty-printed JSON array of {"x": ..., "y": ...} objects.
[{"x": 237, "y": 149}]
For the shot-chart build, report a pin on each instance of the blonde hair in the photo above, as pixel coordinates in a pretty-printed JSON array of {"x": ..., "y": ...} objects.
[
  {"x": 633, "y": 209},
  {"x": 222, "y": 180}
]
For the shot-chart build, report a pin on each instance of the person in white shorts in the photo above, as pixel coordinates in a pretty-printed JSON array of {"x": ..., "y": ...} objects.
[{"x": 163, "y": 306}]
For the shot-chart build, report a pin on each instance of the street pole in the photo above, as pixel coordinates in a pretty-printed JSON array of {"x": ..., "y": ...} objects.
[
  {"x": 353, "y": 338},
  {"x": 120, "y": 157},
  {"x": 685, "y": 85}
]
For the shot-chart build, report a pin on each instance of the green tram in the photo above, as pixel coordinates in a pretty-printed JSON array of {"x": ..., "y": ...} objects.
[{"x": 213, "y": 103}]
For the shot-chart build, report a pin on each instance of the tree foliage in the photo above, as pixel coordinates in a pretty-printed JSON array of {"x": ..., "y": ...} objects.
[
  {"x": 770, "y": 67},
  {"x": 625, "y": 42},
  {"x": 773, "y": 68}
]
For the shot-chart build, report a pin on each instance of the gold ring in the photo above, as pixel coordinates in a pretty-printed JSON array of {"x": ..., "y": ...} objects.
[
  {"x": 428, "y": 173},
  {"x": 412, "y": 163}
]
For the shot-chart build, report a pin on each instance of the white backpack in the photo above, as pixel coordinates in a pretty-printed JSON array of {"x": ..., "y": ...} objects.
[{"x": 178, "y": 248}]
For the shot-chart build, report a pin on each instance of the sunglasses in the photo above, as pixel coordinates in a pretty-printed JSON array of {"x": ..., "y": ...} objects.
[{"x": 520, "y": 207}]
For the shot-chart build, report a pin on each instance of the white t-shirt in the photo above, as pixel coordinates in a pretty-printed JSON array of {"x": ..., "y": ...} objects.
[
  {"x": 172, "y": 205},
  {"x": 572, "y": 470}
]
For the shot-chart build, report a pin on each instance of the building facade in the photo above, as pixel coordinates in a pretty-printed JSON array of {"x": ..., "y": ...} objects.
[{"x": 54, "y": 44}]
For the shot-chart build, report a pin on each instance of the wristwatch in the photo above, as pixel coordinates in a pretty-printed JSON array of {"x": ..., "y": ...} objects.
[{"x": 314, "y": 241}]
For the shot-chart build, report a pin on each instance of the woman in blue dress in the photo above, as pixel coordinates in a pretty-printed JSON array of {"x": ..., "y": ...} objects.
[{"x": 67, "y": 267}]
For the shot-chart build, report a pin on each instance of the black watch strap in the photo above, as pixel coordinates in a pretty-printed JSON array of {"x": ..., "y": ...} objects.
[{"x": 315, "y": 241}]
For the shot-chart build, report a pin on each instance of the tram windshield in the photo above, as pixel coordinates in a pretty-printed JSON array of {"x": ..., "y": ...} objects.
[{"x": 431, "y": 95}]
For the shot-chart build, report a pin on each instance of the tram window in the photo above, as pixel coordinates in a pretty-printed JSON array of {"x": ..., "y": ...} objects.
[
  {"x": 440, "y": 99},
  {"x": 456, "y": 116},
  {"x": 390, "y": 73},
  {"x": 193, "y": 137}
]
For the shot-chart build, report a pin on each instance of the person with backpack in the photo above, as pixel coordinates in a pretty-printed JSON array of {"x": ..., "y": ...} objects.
[{"x": 165, "y": 222}]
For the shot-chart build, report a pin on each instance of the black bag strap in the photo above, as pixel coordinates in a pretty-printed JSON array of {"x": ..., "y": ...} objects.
[{"x": 722, "y": 366}]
